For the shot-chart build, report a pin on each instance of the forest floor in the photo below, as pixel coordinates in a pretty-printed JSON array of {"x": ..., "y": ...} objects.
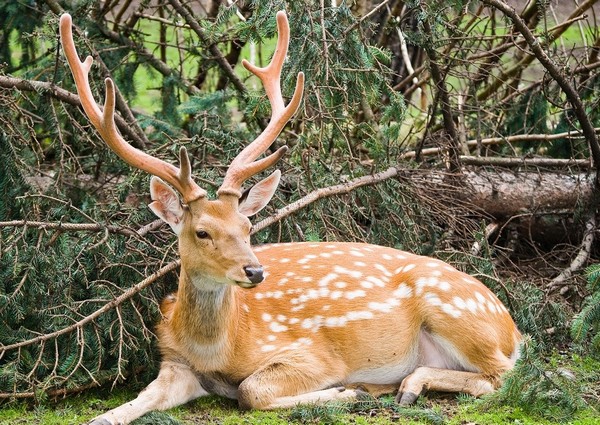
[
  {"x": 432, "y": 409},
  {"x": 215, "y": 410}
]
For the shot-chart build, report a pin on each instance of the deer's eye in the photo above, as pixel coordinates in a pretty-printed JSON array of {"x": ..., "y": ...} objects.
[{"x": 201, "y": 234}]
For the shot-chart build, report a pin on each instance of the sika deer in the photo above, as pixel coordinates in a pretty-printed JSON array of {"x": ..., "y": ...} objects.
[{"x": 327, "y": 317}]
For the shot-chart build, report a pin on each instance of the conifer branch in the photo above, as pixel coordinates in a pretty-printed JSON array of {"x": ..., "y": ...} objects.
[
  {"x": 135, "y": 289},
  {"x": 50, "y": 89}
]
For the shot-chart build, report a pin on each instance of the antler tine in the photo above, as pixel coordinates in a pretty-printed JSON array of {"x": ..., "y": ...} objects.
[
  {"x": 244, "y": 165},
  {"x": 104, "y": 122}
]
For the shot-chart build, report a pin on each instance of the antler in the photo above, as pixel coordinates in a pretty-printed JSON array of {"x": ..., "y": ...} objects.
[
  {"x": 244, "y": 165},
  {"x": 104, "y": 122}
]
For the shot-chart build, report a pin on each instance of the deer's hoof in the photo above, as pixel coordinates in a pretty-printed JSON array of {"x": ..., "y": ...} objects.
[
  {"x": 100, "y": 421},
  {"x": 406, "y": 398}
]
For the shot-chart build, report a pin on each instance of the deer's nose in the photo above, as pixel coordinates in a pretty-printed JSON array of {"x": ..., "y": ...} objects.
[{"x": 254, "y": 273}]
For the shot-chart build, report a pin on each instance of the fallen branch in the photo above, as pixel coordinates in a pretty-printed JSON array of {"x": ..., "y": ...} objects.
[
  {"x": 77, "y": 227},
  {"x": 324, "y": 192},
  {"x": 525, "y": 162},
  {"x": 106, "y": 307},
  {"x": 581, "y": 259},
  {"x": 506, "y": 139}
]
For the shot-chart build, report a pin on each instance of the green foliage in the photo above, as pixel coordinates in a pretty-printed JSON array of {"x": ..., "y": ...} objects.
[
  {"x": 538, "y": 389},
  {"x": 56, "y": 170},
  {"x": 333, "y": 412},
  {"x": 587, "y": 321}
]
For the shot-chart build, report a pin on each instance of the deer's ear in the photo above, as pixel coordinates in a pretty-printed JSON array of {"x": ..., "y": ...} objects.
[
  {"x": 259, "y": 195},
  {"x": 166, "y": 205}
]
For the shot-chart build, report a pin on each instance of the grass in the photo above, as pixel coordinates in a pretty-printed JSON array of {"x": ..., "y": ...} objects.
[
  {"x": 215, "y": 410},
  {"x": 435, "y": 409}
]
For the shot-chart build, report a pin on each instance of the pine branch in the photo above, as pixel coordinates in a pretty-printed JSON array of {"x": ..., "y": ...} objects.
[
  {"x": 106, "y": 307},
  {"x": 66, "y": 96},
  {"x": 324, "y": 192}
]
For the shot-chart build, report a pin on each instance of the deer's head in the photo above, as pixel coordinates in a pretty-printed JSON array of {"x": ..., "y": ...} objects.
[{"x": 213, "y": 235}]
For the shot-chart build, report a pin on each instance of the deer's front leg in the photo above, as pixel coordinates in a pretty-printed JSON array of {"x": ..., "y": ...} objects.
[{"x": 176, "y": 384}]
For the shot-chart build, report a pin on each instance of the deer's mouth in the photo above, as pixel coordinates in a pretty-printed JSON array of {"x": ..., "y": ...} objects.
[{"x": 246, "y": 285}]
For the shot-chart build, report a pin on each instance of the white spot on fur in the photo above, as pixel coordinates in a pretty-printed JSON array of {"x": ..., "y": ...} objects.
[
  {"x": 376, "y": 281},
  {"x": 385, "y": 307},
  {"x": 344, "y": 271},
  {"x": 387, "y": 257},
  {"x": 366, "y": 284},
  {"x": 355, "y": 294},
  {"x": 460, "y": 303},
  {"x": 297, "y": 308},
  {"x": 359, "y": 315},
  {"x": 444, "y": 286},
  {"x": 267, "y": 348},
  {"x": 422, "y": 282},
  {"x": 359, "y": 264},
  {"x": 408, "y": 267},
  {"x": 403, "y": 291},
  {"x": 267, "y": 317},
  {"x": 299, "y": 343},
  {"x": 277, "y": 327},
  {"x": 336, "y": 295},
  {"x": 471, "y": 305},
  {"x": 432, "y": 299},
  {"x": 284, "y": 260},
  {"x": 356, "y": 253},
  {"x": 383, "y": 270},
  {"x": 328, "y": 279},
  {"x": 449, "y": 309}
]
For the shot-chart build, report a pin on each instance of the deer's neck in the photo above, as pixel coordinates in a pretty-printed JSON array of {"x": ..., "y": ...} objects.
[{"x": 205, "y": 321}]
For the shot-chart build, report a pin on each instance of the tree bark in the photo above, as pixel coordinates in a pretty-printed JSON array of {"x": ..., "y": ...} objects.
[{"x": 503, "y": 193}]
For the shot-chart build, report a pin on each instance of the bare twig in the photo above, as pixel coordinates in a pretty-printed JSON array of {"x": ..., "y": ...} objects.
[
  {"x": 580, "y": 260},
  {"x": 212, "y": 47},
  {"x": 520, "y": 162},
  {"x": 507, "y": 139},
  {"x": 559, "y": 77}
]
